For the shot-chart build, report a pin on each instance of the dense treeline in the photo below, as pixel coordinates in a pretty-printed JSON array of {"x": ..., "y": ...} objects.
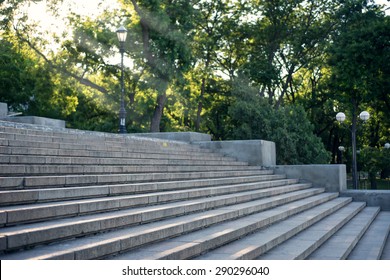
[{"x": 277, "y": 70}]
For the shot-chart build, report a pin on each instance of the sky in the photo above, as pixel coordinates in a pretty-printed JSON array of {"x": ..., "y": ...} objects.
[{"x": 92, "y": 8}]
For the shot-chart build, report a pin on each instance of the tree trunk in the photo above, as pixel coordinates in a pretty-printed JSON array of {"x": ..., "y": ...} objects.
[
  {"x": 158, "y": 112},
  {"x": 200, "y": 105},
  {"x": 372, "y": 178}
]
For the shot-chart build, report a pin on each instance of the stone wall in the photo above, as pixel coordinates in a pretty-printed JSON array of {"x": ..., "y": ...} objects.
[
  {"x": 255, "y": 152},
  {"x": 36, "y": 120},
  {"x": 189, "y": 137},
  {"x": 332, "y": 177},
  {"x": 379, "y": 198},
  {"x": 3, "y": 109}
]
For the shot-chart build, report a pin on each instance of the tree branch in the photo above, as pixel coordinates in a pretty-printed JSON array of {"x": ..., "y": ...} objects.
[{"x": 60, "y": 69}]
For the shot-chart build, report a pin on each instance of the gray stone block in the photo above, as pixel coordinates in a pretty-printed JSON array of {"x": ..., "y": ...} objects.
[
  {"x": 3, "y": 243},
  {"x": 3, "y": 109},
  {"x": 177, "y": 136},
  {"x": 41, "y": 213},
  {"x": 90, "y": 252},
  {"x": 254, "y": 152},
  {"x": 379, "y": 198},
  {"x": 3, "y": 217},
  {"x": 9, "y": 182},
  {"x": 36, "y": 121},
  {"x": 332, "y": 177},
  {"x": 45, "y": 181},
  {"x": 13, "y": 197}
]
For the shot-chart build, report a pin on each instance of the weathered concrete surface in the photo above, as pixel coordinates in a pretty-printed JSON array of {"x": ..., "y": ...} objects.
[
  {"x": 3, "y": 109},
  {"x": 332, "y": 177},
  {"x": 255, "y": 152},
  {"x": 36, "y": 120},
  {"x": 177, "y": 136},
  {"x": 379, "y": 198}
]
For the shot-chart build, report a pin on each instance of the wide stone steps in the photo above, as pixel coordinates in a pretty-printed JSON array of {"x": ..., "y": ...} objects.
[
  {"x": 386, "y": 250},
  {"x": 66, "y": 193},
  {"x": 35, "y": 169},
  {"x": 69, "y": 194},
  {"x": 164, "y": 174},
  {"x": 120, "y": 153},
  {"x": 26, "y": 213},
  {"x": 340, "y": 245},
  {"x": 304, "y": 244},
  {"x": 94, "y": 142},
  {"x": 133, "y": 158},
  {"x": 260, "y": 242},
  {"x": 198, "y": 242},
  {"x": 372, "y": 244},
  {"x": 113, "y": 242}
]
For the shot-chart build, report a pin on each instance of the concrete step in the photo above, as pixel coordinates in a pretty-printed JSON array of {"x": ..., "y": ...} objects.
[
  {"x": 386, "y": 250},
  {"x": 75, "y": 150},
  {"x": 144, "y": 158},
  {"x": 264, "y": 240},
  {"x": 73, "y": 139},
  {"x": 339, "y": 246},
  {"x": 308, "y": 241},
  {"x": 104, "y": 166},
  {"x": 96, "y": 146},
  {"x": 135, "y": 166},
  {"x": 11, "y": 215},
  {"x": 372, "y": 244},
  {"x": 58, "y": 194},
  {"x": 164, "y": 174},
  {"x": 101, "y": 245},
  {"x": 123, "y": 152},
  {"x": 202, "y": 241},
  {"x": 47, "y": 134}
]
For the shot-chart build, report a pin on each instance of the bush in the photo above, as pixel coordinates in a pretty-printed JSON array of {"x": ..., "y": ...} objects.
[{"x": 253, "y": 118}]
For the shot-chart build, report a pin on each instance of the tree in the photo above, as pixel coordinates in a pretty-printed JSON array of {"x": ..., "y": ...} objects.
[
  {"x": 166, "y": 33},
  {"x": 359, "y": 59},
  {"x": 288, "y": 127}
]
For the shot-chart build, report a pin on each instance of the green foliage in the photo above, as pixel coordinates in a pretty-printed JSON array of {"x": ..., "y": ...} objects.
[
  {"x": 375, "y": 162},
  {"x": 30, "y": 87},
  {"x": 254, "y": 69},
  {"x": 253, "y": 118}
]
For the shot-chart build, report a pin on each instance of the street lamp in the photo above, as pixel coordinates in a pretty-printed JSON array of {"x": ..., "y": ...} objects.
[
  {"x": 387, "y": 146},
  {"x": 122, "y": 34},
  {"x": 341, "y": 150},
  {"x": 364, "y": 116}
]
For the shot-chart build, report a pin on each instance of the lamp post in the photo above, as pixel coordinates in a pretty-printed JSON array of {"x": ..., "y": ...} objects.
[
  {"x": 341, "y": 150},
  {"x": 364, "y": 116},
  {"x": 122, "y": 34}
]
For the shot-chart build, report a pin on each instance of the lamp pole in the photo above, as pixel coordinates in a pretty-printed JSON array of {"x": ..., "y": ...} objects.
[
  {"x": 341, "y": 118},
  {"x": 122, "y": 34}
]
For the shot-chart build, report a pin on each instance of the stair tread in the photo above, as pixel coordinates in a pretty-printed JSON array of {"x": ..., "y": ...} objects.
[
  {"x": 306, "y": 242},
  {"x": 371, "y": 245},
  {"x": 69, "y": 193},
  {"x": 260, "y": 242},
  {"x": 342, "y": 242},
  {"x": 182, "y": 223},
  {"x": 36, "y": 212},
  {"x": 216, "y": 235},
  {"x": 143, "y": 210}
]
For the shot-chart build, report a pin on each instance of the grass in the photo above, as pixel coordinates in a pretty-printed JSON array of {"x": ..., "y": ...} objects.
[{"x": 364, "y": 184}]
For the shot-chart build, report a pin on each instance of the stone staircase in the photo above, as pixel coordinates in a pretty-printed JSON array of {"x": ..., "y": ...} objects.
[{"x": 68, "y": 194}]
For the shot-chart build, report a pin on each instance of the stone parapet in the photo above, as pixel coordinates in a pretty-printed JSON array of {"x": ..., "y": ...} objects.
[
  {"x": 36, "y": 120},
  {"x": 177, "y": 136},
  {"x": 255, "y": 152},
  {"x": 379, "y": 198},
  {"x": 3, "y": 110},
  {"x": 332, "y": 177}
]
